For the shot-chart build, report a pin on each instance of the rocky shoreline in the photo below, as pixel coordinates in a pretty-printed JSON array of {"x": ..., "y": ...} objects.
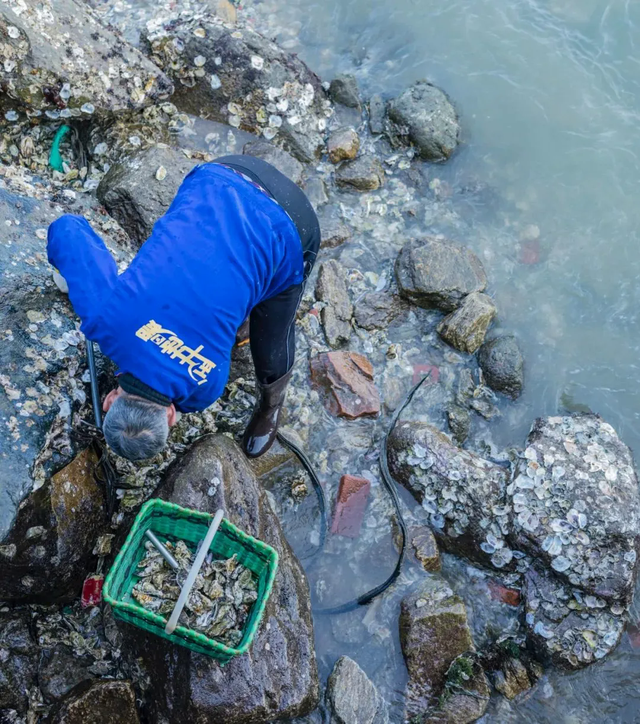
[{"x": 549, "y": 527}]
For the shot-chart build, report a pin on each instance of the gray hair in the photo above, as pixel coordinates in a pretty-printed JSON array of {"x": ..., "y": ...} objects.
[{"x": 134, "y": 428}]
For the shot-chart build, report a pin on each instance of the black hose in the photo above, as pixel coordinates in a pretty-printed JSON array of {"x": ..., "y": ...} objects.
[
  {"x": 389, "y": 483},
  {"x": 95, "y": 396}
]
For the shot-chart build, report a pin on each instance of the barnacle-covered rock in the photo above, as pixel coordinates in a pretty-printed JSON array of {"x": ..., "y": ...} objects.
[
  {"x": 242, "y": 78},
  {"x": 277, "y": 678},
  {"x": 60, "y": 60},
  {"x": 576, "y": 504},
  {"x": 463, "y": 493},
  {"x": 566, "y": 626}
]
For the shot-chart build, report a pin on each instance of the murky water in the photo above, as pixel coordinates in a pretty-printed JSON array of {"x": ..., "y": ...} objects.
[{"x": 549, "y": 98}]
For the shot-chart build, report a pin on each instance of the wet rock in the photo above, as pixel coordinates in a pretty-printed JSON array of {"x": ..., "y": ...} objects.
[
  {"x": 331, "y": 288},
  {"x": 283, "y": 161},
  {"x": 476, "y": 396},
  {"x": 466, "y": 695},
  {"x": 41, "y": 354},
  {"x": 344, "y": 90},
  {"x": 512, "y": 679},
  {"x": 377, "y": 310},
  {"x": 88, "y": 69},
  {"x": 466, "y": 328},
  {"x": 46, "y": 553},
  {"x": 332, "y": 229},
  {"x": 424, "y": 116},
  {"x": 576, "y": 504},
  {"x": 463, "y": 493},
  {"x": 433, "y": 632},
  {"x": 363, "y": 174},
  {"x": 426, "y": 549},
  {"x": 343, "y": 145},
  {"x": 277, "y": 678},
  {"x": 316, "y": 192},
  {"x": 565, "y": 626},
  {"x": 377, "y": 111},
  {"x": 133, "y": 194},
  {"x": 502, "y": 365},
  {"x": 241, "y": 78},
  {"x": 459, "y": 423},
  {"x": 18, "y": 661},
  {"x": 347, "y": 378},
  {"x": 102, "y": 702},
  {"x": 435, "y": 273},
  {"x": 60, "y": 671},
  {"x": 352, "y": 697}
]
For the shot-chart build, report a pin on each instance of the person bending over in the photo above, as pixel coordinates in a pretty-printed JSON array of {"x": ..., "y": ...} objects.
[{"x": 238, "y": 242}]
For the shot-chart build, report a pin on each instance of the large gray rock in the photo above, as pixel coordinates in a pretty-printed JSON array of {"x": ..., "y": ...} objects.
[
  {"x": 352, "y": 697},
  {"x": 133, "y": 192},
  {"x": 376, "y": 310},
  {"x": 463, "y": 493},
  {"x": 362, "y": 174},
  {"x": 567, "y": 627},
  {"x": 58, "y": 56},
  {"x": 283, "y": 161},
  {"x": 242, "y": 78},
  {"x": 41, "y": 355},
  {"x": 438, "y": 273},
  {"x": 434, "y": 633},
  {"x": 46, "y": 554},
  {"x": 60, "y": 672},
  {"x": 576, "y": 504},
  {"x": 102, "y": 702},
  {"x": 466, "y": 328},
  {"x": 18, "y": 662},
  {"x": 424, "y": 116},
  {"x": 277, "y": 678},
  {"x": 502, "y": 365},
  {"x": 331, "y": 288}
]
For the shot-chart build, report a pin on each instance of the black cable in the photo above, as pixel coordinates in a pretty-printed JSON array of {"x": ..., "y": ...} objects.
[
  {"x": 95, "y": 396},
  {"x": 389, "y": 483}
]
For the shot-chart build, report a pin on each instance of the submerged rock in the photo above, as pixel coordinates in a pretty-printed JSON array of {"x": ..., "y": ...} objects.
[
  {"x": 512, "y": 679},
  {"x": 502, "y": 365},
  {"x": 347, "y": 377},
  {"x": 331, "y": 288},
  {"x": 576, "y": 504},
  {"x": 102, "y": 702},
  {"x": 316, "y": 192},
  {"x": 277, "y": 678},
  {"x": 435, "y": 273},
  {"x": 18, "y": 662},
  {"x": 343, "y": 145},
  {"x": 424, "y": 116},
  {"x": 565, "y": 626},
  {"x": 344, "y": 90},
  {"x": 283, "y": 161},
  {"x": 86, "y": 69},
  {"x": 377, "y": 111},
  {"x": 426, "y": 550},
  {"x": 463, "y": 493},
  {"x": 363, "y": 174},
  {"x": 459, "y": 423},
  {"x": 241, "y": 78},
  {"x": 352, "y": 697},
  {"x": 466, "y": 328},
  {"x": 332, "y": 229},
  {"x": 434, "y": 632},
  {"x": 133, "y": 193},
  {"x": 45, "y": 555},
  {"x": 376, "y": 310}
]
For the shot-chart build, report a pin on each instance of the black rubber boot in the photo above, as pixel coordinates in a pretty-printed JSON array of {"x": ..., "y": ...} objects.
[{"x": 263, "y": 426}]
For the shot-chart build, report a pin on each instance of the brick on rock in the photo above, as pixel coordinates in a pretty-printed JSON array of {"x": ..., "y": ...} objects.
[{"x": 347, "y": 378}]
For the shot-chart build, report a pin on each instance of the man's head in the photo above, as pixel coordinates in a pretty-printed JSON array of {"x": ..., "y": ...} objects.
[{"x": 135, "y": 428}]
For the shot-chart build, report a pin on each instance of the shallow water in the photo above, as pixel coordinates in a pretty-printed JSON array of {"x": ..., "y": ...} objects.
[{"x": 549, "y": 102}]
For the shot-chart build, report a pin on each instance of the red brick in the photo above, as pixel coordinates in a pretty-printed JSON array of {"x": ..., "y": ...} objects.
[
  {"x": 353, "y": 494},
  {"x": 530, "y": 251},
  {"x": 510, "y": 596},
  {"x": 347, "y": 378}
]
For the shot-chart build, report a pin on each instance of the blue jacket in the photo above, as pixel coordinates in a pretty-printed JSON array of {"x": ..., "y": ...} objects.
[{"x": 171, "y": 318}]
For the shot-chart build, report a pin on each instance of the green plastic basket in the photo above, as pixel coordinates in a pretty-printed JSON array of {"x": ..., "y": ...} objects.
[{"x": 171, "y": 522}]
